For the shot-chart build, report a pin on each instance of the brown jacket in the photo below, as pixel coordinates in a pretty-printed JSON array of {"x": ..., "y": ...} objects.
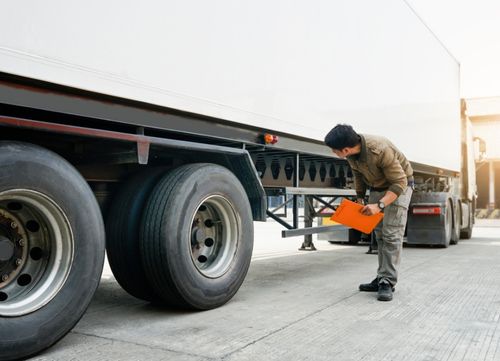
[{"x": 379, "y": 165}]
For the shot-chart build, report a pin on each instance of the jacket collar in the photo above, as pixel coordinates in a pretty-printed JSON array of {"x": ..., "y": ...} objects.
[{"x": 361, "y": 156}]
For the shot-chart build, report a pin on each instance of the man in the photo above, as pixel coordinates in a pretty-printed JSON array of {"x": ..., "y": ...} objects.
[{"x": 379, "y": 166}]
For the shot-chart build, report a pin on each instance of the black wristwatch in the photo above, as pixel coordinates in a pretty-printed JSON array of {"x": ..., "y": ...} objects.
[{"x": 381, "y": 205}]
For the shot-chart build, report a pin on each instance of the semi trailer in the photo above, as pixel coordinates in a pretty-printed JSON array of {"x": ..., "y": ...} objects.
[{"x": 156, "y": 131}]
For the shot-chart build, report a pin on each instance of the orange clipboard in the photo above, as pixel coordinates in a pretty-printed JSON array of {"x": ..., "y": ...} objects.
[{"x": 349, "y": 214}]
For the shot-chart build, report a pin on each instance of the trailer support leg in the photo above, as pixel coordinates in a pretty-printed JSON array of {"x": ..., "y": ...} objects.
[
  {"x": 295, "y": 202},
  {"x": 309, "y": 212}
]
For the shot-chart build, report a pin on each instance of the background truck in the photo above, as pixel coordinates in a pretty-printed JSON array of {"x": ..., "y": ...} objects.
[{"x": 157, "y": 130}]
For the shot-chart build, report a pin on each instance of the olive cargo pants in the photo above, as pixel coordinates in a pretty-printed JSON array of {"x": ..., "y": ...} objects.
[{"x": 389, "y": 233}]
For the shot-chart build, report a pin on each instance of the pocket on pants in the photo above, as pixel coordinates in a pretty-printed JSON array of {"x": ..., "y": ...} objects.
[{"x": 395, "y": 216}]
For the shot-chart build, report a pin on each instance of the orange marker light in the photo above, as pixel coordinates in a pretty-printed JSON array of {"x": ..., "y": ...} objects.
[{"x": 270, "y": 139}]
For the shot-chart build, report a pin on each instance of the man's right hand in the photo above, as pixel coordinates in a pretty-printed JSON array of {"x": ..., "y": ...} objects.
[{"x": 360, "y": 201}]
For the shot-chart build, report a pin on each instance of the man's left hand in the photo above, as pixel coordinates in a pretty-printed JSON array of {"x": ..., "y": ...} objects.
[{"x": 370, "y": 209}]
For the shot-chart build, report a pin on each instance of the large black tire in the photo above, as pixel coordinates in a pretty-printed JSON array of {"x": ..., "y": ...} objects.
[
  {"x": 122, "y": 233},
  {"x": 55, "y": 226},
  {"x": 197, "y": 236},
  {"x": 448, "y": 224},
  {"x": 466, "y": 233},
  {"x": 354, "y": 236},
  {"x": 455, "y": 236}
]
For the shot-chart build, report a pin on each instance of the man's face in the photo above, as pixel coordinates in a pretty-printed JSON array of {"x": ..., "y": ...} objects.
[{"x": 342, "y": 153}]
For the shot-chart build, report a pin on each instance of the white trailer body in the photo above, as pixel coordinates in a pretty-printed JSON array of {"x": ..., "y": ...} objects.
[
  {"x": 157, "y": 130},
  {"x": 295, "y": 67}
]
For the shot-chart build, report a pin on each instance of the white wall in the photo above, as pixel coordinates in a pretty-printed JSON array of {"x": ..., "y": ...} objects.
[{"x": 490, "y": 133}]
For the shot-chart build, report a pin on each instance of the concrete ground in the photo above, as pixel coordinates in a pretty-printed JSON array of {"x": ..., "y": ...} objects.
[{"x": 306, "y": 306}]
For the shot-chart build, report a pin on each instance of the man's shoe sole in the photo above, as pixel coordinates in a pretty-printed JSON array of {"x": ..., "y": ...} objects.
[
  {"x": 384, "y": 298},
  {"x": 372, "y": 289},
  {"x": 367, "y": 289}
]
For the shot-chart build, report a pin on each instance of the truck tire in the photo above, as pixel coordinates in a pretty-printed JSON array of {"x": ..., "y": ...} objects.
[
  {"x": 354, "y": 236},
  {"x": 122, "y": 233},
  {"x": 197, "y": 236},
  {"x": 448, "y": 224},
  {"x": 466, "y": 233},
  {"x": 51, "y": 248},
  {"x": 455, "y": 232}
]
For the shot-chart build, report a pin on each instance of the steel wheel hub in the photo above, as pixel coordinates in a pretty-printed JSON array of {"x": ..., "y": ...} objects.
[
  {"x": 215, "y": 234},
  {"x": 36, "y": 251}
]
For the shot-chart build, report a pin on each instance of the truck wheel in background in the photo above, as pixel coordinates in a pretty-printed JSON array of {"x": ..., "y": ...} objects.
[
  {"x": 354, "y": 236},
  {"x": 455, "y": 232},
  {"x": 448, "y": 223},
  {"x": 197, "y": 236},
  {"x": 51, "y": 248},
  {"x": 466, "y": 233},
  {"x": 122, "y": 233}
]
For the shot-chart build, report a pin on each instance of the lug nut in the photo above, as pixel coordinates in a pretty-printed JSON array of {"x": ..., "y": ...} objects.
[
  {"x": 22, "y": 242},
  {"x": 18, "y": 262},
  {"x": 13, "y": 224},
  {"x": 5, "y": 278}
]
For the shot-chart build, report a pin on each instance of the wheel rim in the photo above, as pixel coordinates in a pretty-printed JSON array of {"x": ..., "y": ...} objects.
[
  {"x": 36, "y": 251},
  {"x": 215, "y": 234}
]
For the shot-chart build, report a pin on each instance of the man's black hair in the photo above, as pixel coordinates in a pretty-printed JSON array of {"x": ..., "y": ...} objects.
[{"x": 341, "y": 136}]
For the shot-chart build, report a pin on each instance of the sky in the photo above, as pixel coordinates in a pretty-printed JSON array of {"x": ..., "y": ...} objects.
[{"x": 470, "y": 30}]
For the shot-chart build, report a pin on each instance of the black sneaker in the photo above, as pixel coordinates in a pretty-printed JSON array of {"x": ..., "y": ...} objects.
[
  {"x": 384, "y": 292},
  {"x": 369, "y": 287}
]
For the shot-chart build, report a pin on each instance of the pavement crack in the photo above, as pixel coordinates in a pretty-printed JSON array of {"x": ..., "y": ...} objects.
[
  {"x": 145, "y": 345},
  {"x": 271, "y": 333},
  {"x": 316, "y": 312}
]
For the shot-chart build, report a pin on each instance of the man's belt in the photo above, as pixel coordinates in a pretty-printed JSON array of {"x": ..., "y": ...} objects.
[
  {"x": 375, "y": 189},
  {"x": 411, "y": 184}
]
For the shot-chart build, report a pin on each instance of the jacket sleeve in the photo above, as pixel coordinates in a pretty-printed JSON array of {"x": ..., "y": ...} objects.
[{"x": 393, "y": 171}]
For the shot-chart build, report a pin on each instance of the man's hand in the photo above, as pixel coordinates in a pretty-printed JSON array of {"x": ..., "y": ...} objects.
[
  {"x": 360, "y": 201},
  {"x": 370, "y": 209}
]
